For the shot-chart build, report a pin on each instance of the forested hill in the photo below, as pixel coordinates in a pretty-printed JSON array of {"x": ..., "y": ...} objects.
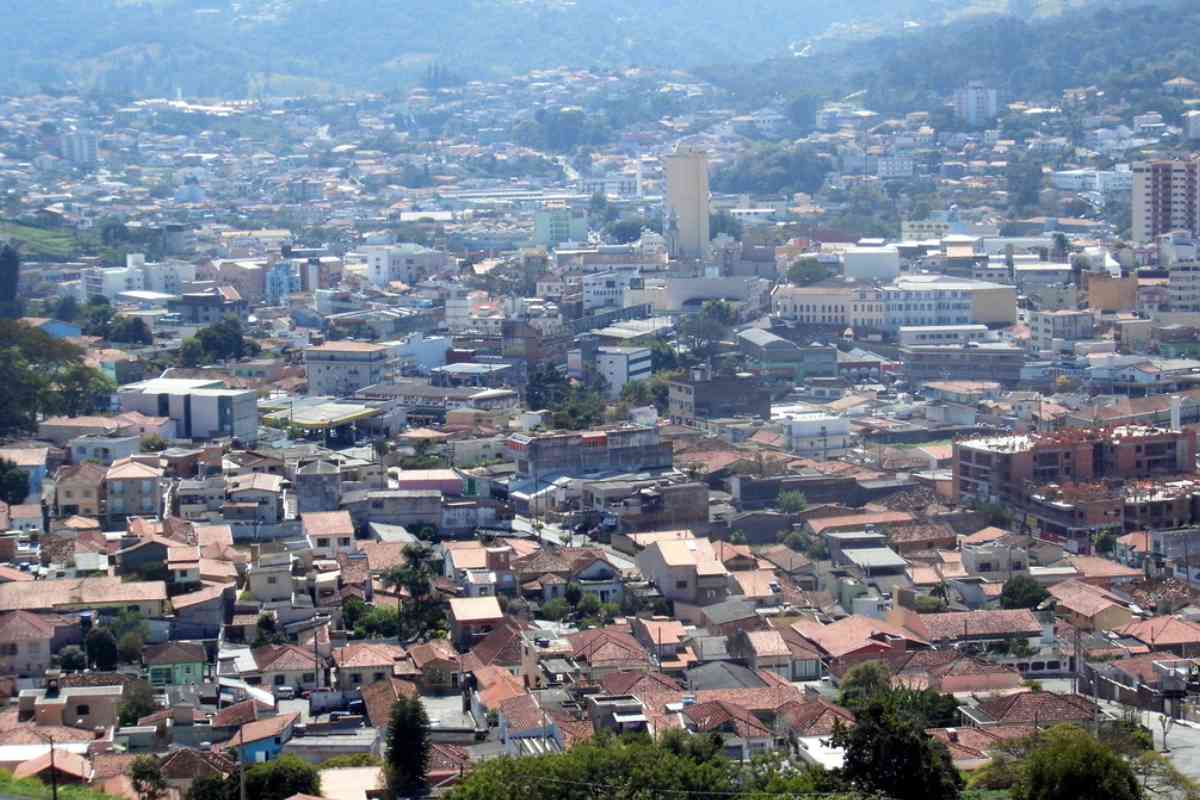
[
  {"x": 221, "y": 47},
  {"x": 1127, "y": 49}
]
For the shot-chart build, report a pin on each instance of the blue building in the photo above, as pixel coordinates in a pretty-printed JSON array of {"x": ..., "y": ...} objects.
[{"x": 263, "y": 739}]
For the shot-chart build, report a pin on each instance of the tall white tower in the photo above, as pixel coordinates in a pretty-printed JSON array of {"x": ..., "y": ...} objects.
[{"x": 687, "y": 199}]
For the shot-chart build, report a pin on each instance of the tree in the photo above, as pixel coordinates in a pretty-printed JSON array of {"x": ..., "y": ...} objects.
[
  {"x": 406, "y": 762},
  {"x": 1067, "y": 763},
  {"x": 724, "y": 222},
  {"x": 138, "y": 702},
  {"x": 807, "y": 271},
  {"x": 280, "y": 779},
  {"x": 792, "y": 502},
  {"x": 130, "y": 647},
  {"x": 556, "y": 609},
  {"x": 887, "y": 752},
  {"x": 72, "y": 659},
  {"x": 66, "y": 308},
  {"x": 154, "y": 443},
  {"x": 14, "y": 483},
  {"x": 609, "y": 766},
  {"x": 211, "y": 787},
  {"x": 129, "y": 330},
  {"x": 1022, "y": 591},
  {"x": 102, "y": 649},
  {"x": 589, "y": 606},
  {"x": 864, "y": 683},
  {"x": 146, "y": 776},
  {"x": 573, "y": 594}
]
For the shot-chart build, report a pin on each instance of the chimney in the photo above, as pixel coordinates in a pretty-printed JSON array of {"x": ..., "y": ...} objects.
[{"x": 1176, "y": 413}]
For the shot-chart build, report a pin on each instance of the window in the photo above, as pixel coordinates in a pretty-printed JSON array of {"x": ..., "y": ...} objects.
[
  {"x": 279, "y": 680},
  {"x": 324, "y": 542},
  {"x": 681, "y": 584},
  {"x": 272, "y": 580},
  {"x": 309, "y": 677},
  {"x": 356, "y": 678},
  {"x": 83, "y": 710}
]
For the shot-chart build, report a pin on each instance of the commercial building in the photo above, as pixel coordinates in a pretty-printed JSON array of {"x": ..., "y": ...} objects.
[
  {"x": 624, "y": 449},
  {"x": 687, "y": 201},
  {"x": 200, "y": 409},
  {"x": 1006, "y": 468},
  {"x": 703, "y": 396},
  {"x": 920, "y": 335},
  {"x": 777, "y": 357},
  {"x": 342, "y": 368},
  {"x": 858, "y": 307},
  {"x": 816, "y": 434},
  {"x": 1065, "y": 326},
  {"x": 621, "y": 365},
  {"x": 408, "y": 262},
  {"x": 871, "y": 263},
  {"x": 1166, "y": 197},
  {"x": 942, "y": 300},
  {"x": 556, "y": 224}
]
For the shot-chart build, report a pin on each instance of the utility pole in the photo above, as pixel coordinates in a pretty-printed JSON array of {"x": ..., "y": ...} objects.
[
  {"x": 241, "y": 762},
  {"x": 54, "y": 773}
]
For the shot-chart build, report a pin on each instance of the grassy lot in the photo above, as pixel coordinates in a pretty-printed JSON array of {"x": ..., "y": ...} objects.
[{"x": 40, "y": 243}]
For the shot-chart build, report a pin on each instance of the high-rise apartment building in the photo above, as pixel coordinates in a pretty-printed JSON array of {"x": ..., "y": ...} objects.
[
  {"x": 1166, "y": 197},
  {"x": 976, "y": 104},
  {"x": 687, "y": 201}
]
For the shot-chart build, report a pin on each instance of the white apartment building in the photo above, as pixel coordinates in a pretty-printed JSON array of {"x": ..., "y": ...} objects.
[
  {"x": 79, "y": 146},
  {"x": 616, "y": 184},
  {"x": 1166, "y": 197},
  {"x": 621, "y": 365},
  {"x": 407, "y": 262},
  {"x": 342, "y": 368},
  {"x": 137, "y": 275},
  {"x": 554, "y": 225},
  {"x": 815, "y": 434},
  {"x": 1065, "y": 325},
  {"x": 895, "y": 167},
  {"x": 607, "y": 289},
  {"x": 976, "y": 104},
  {"x": 462, "y": 304},
  {"x": 1183, "y": 286}
]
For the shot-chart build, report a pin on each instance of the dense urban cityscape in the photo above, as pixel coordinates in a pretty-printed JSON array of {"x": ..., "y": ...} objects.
[{"x": 605, "y": 430}]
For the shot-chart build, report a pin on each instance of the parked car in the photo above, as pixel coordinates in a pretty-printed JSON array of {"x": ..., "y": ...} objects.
[{"x": 285, "y": 692}]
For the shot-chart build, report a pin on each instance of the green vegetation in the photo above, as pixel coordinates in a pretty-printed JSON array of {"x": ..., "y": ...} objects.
[
  {"x": 221, "y": 341},
  {"x": 44, "y": 376},
  {"x": 408, "y": 748},
  {"x": 1022, "y": 591},
  {"x": 40, "y": 243},
  {"x": 14, "y": 483},
  {"x": 36, "y": 790},
  {"x": 274, "y": 780},
  {"x": 138, "y": 703},
  {"x": 773, "y": 168},
  {"x": 792, "y": 502}
]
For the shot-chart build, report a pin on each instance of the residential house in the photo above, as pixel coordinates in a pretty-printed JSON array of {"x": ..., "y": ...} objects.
[
  {"x": 1088, "y": 607},
  {"x": 328, "y": 532},
  {"x": 685, "y": 570},
  {"x": 28, "y": 640},
  {"x": 255, "y": 497},
  {"x": 133, "y": 488},
  {"x": 175, "y": 663},
  {"x": 1166, "y": 634},
  {"x": 472, "y": 618},
  {"x": 262, "y": 740},
  {"x": 278, "y": 665},
  {"x": 362, "y": 663},
  {"x": 79, "y": 489}
]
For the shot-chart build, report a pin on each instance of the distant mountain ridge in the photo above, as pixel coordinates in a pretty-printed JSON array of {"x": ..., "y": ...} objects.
[{"x": 217, "y": 47}]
